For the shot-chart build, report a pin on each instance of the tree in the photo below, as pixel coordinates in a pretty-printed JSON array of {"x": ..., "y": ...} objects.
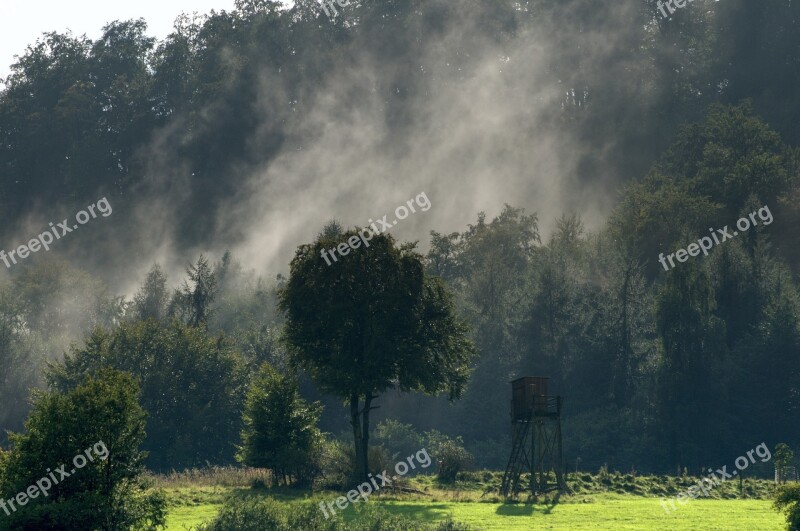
[
  {"x": 101, "y": 414},
  {"x": 192, "y": 387},
  {"x": 280, "y": 428},
  {"x": 783, "y": 458},
  {"x": 21, "y": 356},
  {"x": 370, "y": 322},
  {"x": 151, "y": 299},
  {"x": 692, "y": 341},
  {"x": 193, "y": 300},
  {"x": 46, "y": 305},
  {"x": 488, "y": 265},
  {"x": 62, "y": 302}
]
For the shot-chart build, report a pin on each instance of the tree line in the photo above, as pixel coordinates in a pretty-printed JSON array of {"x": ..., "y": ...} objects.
[{"x": 659, "y": 370}]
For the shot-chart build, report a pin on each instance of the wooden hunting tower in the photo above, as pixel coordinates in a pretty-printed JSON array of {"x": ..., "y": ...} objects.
[{"x": 534, "y": 413}]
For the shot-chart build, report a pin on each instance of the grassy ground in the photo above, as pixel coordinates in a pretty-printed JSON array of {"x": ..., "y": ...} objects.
[
  {"x": 192, "y": 506},
  {"x": 606, "y": 512},
  {"x": 618, "y": 513},
  {"x": 182, "y": 518},
  {"x": 600, "y": 502}
]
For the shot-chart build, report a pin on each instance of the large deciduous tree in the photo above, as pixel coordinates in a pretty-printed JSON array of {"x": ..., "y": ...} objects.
[{"x": 371, "y": 321}]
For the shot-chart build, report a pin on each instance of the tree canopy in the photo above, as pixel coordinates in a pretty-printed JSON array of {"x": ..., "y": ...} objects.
[
  {"x": 101, "y": 420},
  {"x": 370, "y": 322}
]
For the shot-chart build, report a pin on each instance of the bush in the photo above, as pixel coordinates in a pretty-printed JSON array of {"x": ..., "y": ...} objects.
[
  {"x": 280, "y": 429},
  {"x": 788, "y": 501},
  {"x": 380, "y": 459},
  {"x": 251, "y": 514},
  {"x": 402, "y": 440},
  {"x": 337, "y": 463},
  {"x": 399, "y": 439},
  {"x": 108, "y": 491},
  {"x": 370, "y": 517},
  {"x": 450, "y": 454}
]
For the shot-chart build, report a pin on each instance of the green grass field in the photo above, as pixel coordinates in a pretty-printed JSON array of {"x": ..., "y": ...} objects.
[
  {"x": 617, "y": 513},
  {"x": 598, "y": 512},
  {"x": 181, "y": 518}
]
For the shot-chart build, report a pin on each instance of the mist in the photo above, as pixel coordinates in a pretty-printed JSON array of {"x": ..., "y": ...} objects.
[{"x": 473, "y": 122}]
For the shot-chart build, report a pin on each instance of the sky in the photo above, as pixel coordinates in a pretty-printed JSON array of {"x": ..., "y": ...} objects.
[{"x": 22, "y": 21}]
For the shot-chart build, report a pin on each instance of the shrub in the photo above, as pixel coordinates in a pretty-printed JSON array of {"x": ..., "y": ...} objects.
[
  {"x": 788, "y": 501},
  {"x": 399, "y": 439},
  {"x": 280, "y": 428},
  {"x": 250, "y": 514},
  {"x": 380, "y": 459},
  {"x": 108, "y": 492},
  {"x": 266, "y": 514},
  {"x": 370, "y": 517},
  {"x": 450, "y": 454},
  {"x": 337, "y": 463},
  {"x": 402, "y": 440}
]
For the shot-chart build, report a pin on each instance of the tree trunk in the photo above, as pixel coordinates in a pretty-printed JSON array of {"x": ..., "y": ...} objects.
[
  {"x": 365, "y": 436},
  {"x": 360, "y": 470},
  {"x": 360, "y": 423}
]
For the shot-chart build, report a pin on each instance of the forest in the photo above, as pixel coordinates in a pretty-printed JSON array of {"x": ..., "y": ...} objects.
[{"x": 565, "y": 146}]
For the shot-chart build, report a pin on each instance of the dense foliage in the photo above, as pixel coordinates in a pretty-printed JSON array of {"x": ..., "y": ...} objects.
[
  {"x": 192, "y": 387},
  {"x": 108, "y": 492},
  {"x": 251, "y": 514},
  {"x": 660, "y": 370},
  {"x": 634, "y": 349},
  {"x": 372, "y": 322},
  {"x": 788, "y": 501},
  {"x": 280, "y": 429},
  {"x": 75, "y": 113}
]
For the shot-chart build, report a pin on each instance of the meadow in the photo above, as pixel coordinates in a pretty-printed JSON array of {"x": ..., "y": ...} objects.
[{"x": 597, "y": 503}]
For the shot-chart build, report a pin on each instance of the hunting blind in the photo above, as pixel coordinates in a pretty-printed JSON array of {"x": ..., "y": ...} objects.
[{"x": 535, "y": 415}]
